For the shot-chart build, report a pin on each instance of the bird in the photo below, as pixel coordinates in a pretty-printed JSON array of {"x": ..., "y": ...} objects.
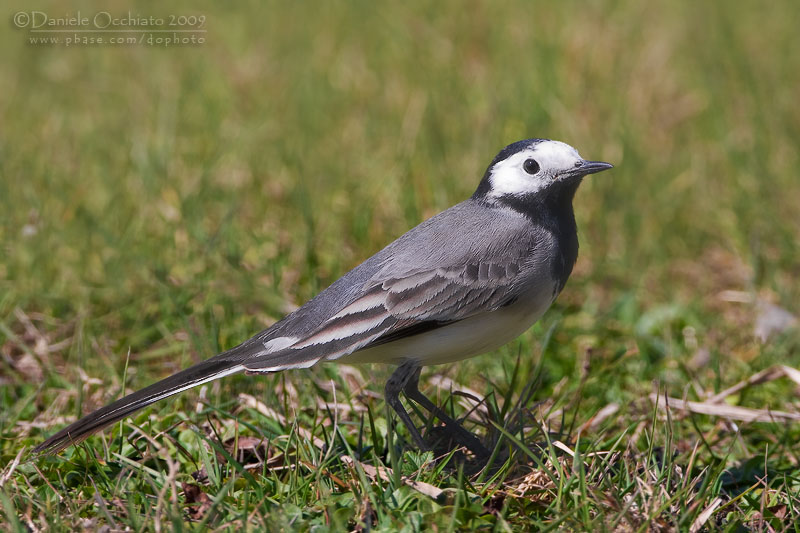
[{"x": 462, "y": 283}]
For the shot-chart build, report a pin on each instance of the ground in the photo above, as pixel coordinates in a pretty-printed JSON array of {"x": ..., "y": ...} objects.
[{"x": 161, "y": 203}]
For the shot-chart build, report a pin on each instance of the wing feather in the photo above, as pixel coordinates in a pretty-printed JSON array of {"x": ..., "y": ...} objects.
[
  {"x": 398, "y": 307},
  {"x": 426, "y": 279}
]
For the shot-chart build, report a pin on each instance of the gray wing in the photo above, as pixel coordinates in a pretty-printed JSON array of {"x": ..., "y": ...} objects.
[{"x": 466, "y": 261}]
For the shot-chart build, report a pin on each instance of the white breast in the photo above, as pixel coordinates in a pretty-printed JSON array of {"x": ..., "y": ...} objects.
[{"x": 466, "y": 338}]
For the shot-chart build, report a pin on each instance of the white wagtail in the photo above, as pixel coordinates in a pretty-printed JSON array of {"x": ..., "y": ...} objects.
[{"x": 462, "y": 283}]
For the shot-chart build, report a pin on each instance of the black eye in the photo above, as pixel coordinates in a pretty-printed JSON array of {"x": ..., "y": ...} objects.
[{"x": 531, "y": 166}]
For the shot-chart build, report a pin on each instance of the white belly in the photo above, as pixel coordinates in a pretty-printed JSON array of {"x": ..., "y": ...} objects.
[{"x": 466, "y": 338}]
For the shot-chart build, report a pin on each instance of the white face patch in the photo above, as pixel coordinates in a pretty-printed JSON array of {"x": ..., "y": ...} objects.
[{"x": 509, "y": 177}]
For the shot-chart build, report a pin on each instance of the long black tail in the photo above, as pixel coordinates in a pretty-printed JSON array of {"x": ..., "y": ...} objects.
[{"x": 203, "y": 372}]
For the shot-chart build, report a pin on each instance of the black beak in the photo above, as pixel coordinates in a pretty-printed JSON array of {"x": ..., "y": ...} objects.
[{"x": 592, "y": 167}]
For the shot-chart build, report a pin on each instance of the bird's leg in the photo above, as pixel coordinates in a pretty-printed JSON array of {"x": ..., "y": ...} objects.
[
  {"x": 397, "y": 383},
  {"x": 461, "y": 435}
]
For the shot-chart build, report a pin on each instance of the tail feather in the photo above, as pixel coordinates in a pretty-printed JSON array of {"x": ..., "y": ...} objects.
[{"x": 203, "y": 372}]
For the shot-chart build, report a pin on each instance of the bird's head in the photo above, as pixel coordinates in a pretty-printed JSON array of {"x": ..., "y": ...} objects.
[{"x": 534, "y": 168}]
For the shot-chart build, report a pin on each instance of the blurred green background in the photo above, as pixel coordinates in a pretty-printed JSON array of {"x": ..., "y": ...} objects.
[
  {"x": 168, "y": 202},
  {"x": 304, "y": 137}
]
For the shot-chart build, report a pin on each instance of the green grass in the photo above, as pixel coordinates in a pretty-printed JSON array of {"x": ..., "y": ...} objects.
[{"x": 160, "y": 205}]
